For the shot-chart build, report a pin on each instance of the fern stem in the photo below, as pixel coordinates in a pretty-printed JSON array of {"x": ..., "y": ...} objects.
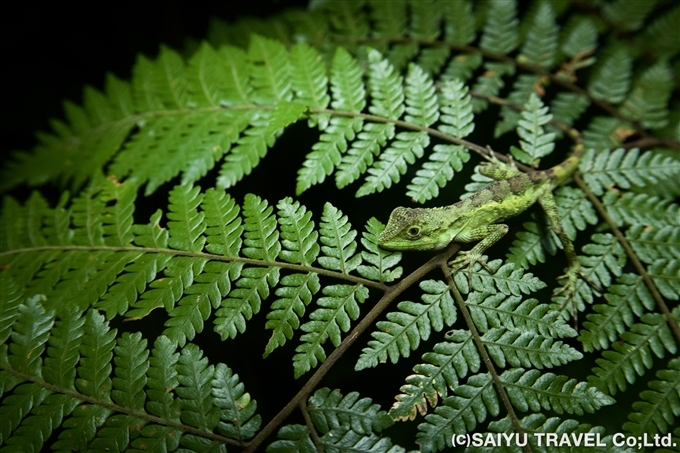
[
  {"x": 254, "y": 262},
  {"x": 390, "y": 294},
  {"x": 482, "y": 352},
  {"x": 310, "y": 426},
  {"x": 482, "y": 151},
  {"x": 555, "y": 78},
  {"x": 637, "y": 264},
  {"x": 120, "y": 409}
]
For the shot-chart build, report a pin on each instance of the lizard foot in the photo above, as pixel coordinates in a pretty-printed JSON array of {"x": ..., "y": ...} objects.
[
  {"x": 468, "y": 259},
  {"x": 568, "y": 291}
]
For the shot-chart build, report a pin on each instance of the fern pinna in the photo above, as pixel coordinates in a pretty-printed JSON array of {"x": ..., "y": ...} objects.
[{"x": 400, "y": 95}]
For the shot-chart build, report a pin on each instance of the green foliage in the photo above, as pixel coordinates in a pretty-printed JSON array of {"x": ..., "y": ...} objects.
[
  {"x": 645, "y": 339},
  {"x": 330, "y": 411},
  {"x": 413, "y": 323},
  {"x": 399, "y": 94},
  {"x": 535, "y": 143},
  {"x": 624, "y": 169},
  {"x": 655, "y": 414}
]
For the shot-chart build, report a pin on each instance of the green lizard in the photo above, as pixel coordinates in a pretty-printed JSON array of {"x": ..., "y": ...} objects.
[{"x": 479, "y": 217}]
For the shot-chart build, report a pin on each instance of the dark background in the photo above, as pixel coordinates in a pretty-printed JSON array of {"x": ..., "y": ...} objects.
[{"x": 50, "y": 50}]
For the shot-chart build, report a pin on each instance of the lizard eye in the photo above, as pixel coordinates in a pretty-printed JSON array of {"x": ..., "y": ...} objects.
[{"x": 413, "y": 232}]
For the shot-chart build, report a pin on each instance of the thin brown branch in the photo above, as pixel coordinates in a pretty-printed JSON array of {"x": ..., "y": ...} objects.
[
  {"x": 476, "y": 337},
  {"x": 209, "y": 256},
  {"x": 555, "y": 78},
  {"x": 365, "y": 323},
  {"x": 632, "y": 256},
  {"x": 310, "y": 426}
]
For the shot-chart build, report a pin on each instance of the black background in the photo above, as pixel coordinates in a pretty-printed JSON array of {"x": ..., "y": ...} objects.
[{"x": 51, "y": 50}]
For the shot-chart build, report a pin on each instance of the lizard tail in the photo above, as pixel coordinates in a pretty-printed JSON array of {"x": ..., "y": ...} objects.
[{"x": 564, "y": 170}]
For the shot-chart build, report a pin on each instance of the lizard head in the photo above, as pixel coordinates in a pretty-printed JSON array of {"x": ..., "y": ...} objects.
[{"x": 415, "y": 229}]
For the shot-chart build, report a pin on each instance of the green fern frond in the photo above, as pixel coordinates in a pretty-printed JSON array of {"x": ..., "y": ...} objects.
[
  {"x": 526, "y": 349},
  {"x": 641, "y": 209},
  {"x": 459, "y": 22},
  {"x": 442, "y": 369},
  {"x": 209, "y": 287},
  {"x": 94, "y": 381},
  {"x": 338, "y": 309},
  {"x": 420, "y": 99},
  {"x": 292, "y": 438},
  {"x": 462, "y": 66},
  {"x": 658, "y": 35},
  {"x": 534, "y": 141},
  {"x": 612, "y": 75},
  {"x": 381, "y": 261},
  {"x": 238, "y": 418},
  {"x": 261, "y": 237},
  {"x": 605, "y": 257},
  {"x": 394, "y": 161},
  {"x": 533, "y": 390},
  {"x": 361, "y": 155},
  {"x": 330, "y": 411},
  {"x": 579, "y": 37},
  {"x": 262, "y": 242},
  {"x": 248, "y": 150},
  {"x": 128, "y": 391},
  {"x": 296, "y": 290},
  {"x": 657, "y": 411},
  {"x": 501, "y": 34},
  {"x": 567, "y": 108},
  {"x": 457, "y": 120},
  {"x": 162, "y": 375},
  {"x": 10, "y": 300},
  {"x": 389, "y": 17},
  {"x": 413, "y": 323},
  {"x": 540, "y": 45},
  {"x": 654, "y": 244},
  {"x": 634, "y": 355},
  {"x": 626, "y": 299},
  {"x": 524, "y": 87},
  {"x": 309, "y": 79},
  {"x": 648, "y": 99},
  {"x": 498, "y": 310},
  {"x": 442, "y": 164},
  {"x": 491, "y": 82},
  {"x": 628, "y": 16},
  {"x": 310, "y": 84},
  {"x": 471, "y": 404},
  {"x": 666, "y": 276},
  {"x": 507, "y": 278},
  {"x": 529, "y": 246},
  {"x": 337, "y": 237},
  {"x": 30, "y": 333},
  {"x": 603, "y": 132},
  {"x": 626, "y": 168},
  {"x": 352, "y": 441},
  {"x": 341, "y": 304},
  {"x": 385, "y": 87}
]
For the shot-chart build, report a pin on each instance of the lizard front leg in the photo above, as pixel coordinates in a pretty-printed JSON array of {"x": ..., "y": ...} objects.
[{"x": 487, "y": 236}]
